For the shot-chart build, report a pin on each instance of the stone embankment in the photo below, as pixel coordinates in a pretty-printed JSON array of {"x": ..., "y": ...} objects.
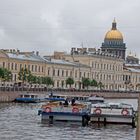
[
  {"x": 107, "y": 95},
  {"x": 10, "y": 96}
]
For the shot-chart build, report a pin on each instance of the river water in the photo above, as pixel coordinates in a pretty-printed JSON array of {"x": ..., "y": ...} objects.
[{"x": 21, "y": 122}]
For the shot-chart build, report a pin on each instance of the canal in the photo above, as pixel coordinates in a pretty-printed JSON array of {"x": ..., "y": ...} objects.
[{"x": 21, "y": 122}]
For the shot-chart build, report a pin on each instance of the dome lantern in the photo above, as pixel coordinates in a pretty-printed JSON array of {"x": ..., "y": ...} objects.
[{"x": 114, "y": 25}]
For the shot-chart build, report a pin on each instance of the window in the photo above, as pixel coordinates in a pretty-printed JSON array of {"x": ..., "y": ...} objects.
[
  {"x": 76, "y": 74},
  {"x": 8, "y": 65},
  {"x": 80, "y": 74},
  {"x": 48, "y": 71},
  {"x": 88, "y": 75},
  {"x": 12, "y": 66},
  {"x": 104, "y": 66},
  {"x": 71, "y": 73},
  {"x": 28, "y": 67},
  {"x": 20, "y": 66},
  {"x": 32, "y": 67},
  {"x": 57, "y": 83},
  {"x": 66, "y": 73},
  {"x": 3, "y": 64},
  {"x": 53, "y": 72},
  {"x": 58, "y": 73},
  {"x": 15, "y": 77},
  {"x": 84, "y": 74},
  {"x": 35, "y": 68},
  {"x": 62, "y": 72},
  {"x": 15, "y": 66}
]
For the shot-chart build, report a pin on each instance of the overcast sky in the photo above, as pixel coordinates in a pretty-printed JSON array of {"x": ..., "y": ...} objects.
[{"x": 58, "y": 25}]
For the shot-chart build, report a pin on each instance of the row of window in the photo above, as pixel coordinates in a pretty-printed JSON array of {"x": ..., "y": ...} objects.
[
  {"x": 106, "y": 66},
  {"x": 68, "y": 73},
  {"x": 131, "y": 78},
  {"x": 33, "y": 68}
]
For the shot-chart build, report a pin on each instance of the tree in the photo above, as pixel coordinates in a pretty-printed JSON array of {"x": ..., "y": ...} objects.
[
  {"x": 69, "y": 81},
  {"x": 93, "y": 83},
  {"x": 30, "y": 78},
  {"x": 85, "y": 82},
  {"x": 1, "y": 73},
  {"x": 24, "y": 75},
  {"x": 100, "y": 85},
  {"x": 5, "y": 74},
  {"x": 47, "y": 80},
  {"x": 39, "y": 80}
]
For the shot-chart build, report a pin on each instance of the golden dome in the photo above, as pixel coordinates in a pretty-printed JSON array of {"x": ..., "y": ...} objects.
[{"x": 114, "y": 33}]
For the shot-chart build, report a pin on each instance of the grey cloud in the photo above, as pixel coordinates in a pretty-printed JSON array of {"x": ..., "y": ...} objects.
[{"x": 59, "y": 25}]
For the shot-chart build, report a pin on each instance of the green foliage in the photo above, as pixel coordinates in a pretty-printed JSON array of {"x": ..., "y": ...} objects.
[
  {"x": 93, "y": 83},
  {"x": 5, "y": 74},
  {"x": 100, "y": 85},
  {"x": 85, "y": 82},
  {"x": 69, "y": 81},
  {"x": 47, "y": 81},
  {"x": 24, "y": 75}
]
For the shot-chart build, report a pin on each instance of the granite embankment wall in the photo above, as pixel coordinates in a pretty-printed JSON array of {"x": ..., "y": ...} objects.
[
  {"x": 10, "y": 96},
  {"x": 107, "y": 95}
]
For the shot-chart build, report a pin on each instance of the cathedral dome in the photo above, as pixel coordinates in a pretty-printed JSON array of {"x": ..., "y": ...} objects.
[{"x": 114, "y": 34}]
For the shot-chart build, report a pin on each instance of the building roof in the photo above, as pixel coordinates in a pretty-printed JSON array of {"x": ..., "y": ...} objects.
[
  {"x": 30, "y": 57},
  {"x": 133, "y": 70},
  {"x": 63, "y": 62},
  {"x": 132, "y": 65}
]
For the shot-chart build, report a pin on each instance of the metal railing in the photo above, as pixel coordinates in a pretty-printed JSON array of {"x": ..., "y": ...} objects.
[{"x": 37, "y": 89}]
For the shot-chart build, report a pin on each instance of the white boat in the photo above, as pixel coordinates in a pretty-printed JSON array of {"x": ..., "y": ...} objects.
[
  {"x": 30, "y": 98},
  {"x": 118, "y": 113},
  {"x": 95, "y": 99}
]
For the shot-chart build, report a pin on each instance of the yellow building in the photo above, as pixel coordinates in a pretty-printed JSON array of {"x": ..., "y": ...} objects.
[
  {"x": 104, "y": 67},
  {"x": 58, "y": 70},
  {"x": 15, "y": 60}
]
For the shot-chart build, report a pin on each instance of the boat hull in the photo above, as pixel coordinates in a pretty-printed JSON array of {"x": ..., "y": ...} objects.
[
  {"x": 112, "y": 115},
  {"x": 63, "y": 116},
  {"x": 112, "y": 119},
  {"x": 27, "y": 100}
]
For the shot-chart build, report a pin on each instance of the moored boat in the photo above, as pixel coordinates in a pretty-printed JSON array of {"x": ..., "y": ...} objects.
[
  {"x": 116, "y": 113},
  {"x": 59, "y": 111},
  {"x": 30, "y": 98}
]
